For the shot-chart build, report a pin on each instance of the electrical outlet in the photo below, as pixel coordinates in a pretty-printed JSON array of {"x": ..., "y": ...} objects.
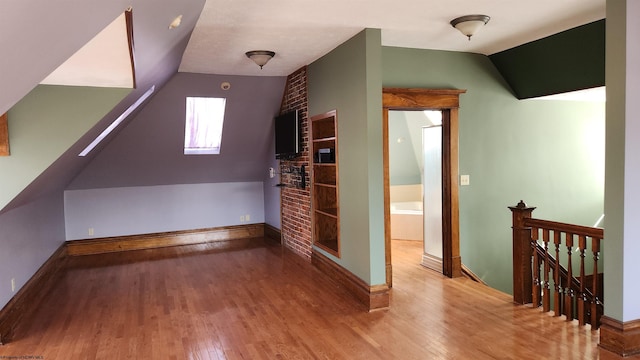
[
  {"x": 242, "y": 218},
  {"x": 464, "y": 180},
  {"x": 13, "y": 285},
  {"x": 91, "y": 231},
  {"x": 272, "y": 172},
  {"x": 247, "y": 217}
]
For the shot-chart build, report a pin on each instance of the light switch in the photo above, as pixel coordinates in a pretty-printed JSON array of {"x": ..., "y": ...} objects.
[{"x": 464, "y": 180}]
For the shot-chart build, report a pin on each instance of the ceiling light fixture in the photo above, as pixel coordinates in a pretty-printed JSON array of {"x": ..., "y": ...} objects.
[
  {"x": 176, "y": 22},
  {"x": 469, "y": 24},
  {"x": 260, "y": 57}
]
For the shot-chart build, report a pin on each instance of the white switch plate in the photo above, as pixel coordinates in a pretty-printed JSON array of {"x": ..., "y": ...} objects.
[
  {"x": 13, "y": 285},
  {"x": 464, "y": 180}
]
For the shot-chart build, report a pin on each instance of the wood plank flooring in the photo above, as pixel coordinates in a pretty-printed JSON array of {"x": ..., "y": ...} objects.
[{"x": 263, "y": 302}]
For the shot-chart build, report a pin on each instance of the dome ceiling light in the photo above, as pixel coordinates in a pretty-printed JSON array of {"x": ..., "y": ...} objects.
[{"x": 469, "y": 24}]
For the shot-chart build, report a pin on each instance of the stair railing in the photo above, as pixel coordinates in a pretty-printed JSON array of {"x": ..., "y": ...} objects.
[{"x": 545, "y": 254}]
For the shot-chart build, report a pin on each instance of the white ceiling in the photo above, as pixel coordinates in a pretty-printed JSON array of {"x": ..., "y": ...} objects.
[{"x": 301, "y": 31}]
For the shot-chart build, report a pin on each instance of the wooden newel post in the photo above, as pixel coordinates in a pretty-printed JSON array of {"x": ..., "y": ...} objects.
[{"x": 522, "y": 253}]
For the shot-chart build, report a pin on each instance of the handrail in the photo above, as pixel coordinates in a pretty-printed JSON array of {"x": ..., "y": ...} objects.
[
  {"x": 566, "y": 228},
  {"x": 574, "y": 294}
]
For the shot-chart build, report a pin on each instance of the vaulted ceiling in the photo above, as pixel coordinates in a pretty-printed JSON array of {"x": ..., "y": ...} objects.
[{"x": 215, "y": 34}]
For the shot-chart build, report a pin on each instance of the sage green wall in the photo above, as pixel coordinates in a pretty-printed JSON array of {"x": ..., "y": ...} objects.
[
  {"x": 348, "y": 79},
  {"x": 621, "y": 245},
  {"x": 404, "y": 168},
  {"x": 548, "y": 153},
  {"x": 44, "y": 124}
]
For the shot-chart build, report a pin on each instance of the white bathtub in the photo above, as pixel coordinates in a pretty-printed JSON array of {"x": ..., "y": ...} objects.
[{"x": 406, "y": 220}]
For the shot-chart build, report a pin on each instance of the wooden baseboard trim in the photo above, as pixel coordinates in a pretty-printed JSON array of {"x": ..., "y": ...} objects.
[
  {"x": 166, "y": 239},
  {"x": 389, "y": 275},
  {"x": 471, "y": 275},
  {"x": 29, "y": 297},
  {"x": 621, "y": 338},
  {"x": 374, "y": 297},
  {"x": 273, "y": 233}
]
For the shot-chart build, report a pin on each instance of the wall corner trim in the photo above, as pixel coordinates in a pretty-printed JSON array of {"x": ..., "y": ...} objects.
[
  {"x": 621, "y": 338},
  {"x": 4, "y": 135},
  {"x": 374, "y": 297},
  {"x": 273, "y": 233}
]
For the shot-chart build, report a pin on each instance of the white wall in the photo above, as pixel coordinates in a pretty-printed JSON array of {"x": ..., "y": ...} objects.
[{"x": 150, "y": 209}]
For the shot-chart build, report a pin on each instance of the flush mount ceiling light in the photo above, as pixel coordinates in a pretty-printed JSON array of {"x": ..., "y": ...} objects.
[
  {"x": 260, "y": 57},
  {"x": 469, "y": 24},
  {"x": 176, "y": 22}
]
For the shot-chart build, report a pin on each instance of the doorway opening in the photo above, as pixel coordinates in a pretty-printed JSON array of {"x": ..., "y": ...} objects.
[
  {"x": 446, "y": 102},
  {"x": 415, "y": 185}
]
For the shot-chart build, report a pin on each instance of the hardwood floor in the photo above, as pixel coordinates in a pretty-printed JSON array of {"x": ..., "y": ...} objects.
[{"x": 263, "y": 302}]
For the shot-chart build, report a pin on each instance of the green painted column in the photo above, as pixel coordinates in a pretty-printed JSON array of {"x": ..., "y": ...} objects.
[{"x": 622, "y": 169}]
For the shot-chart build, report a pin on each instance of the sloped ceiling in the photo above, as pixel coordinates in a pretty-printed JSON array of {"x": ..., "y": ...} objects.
[
  {"x": 571, "y": 60},
  {"x": 150, "y": 150},
  {"x": 105, "y": 61},
  {"x": 50, "y": 33},
  {"x": 299, "y": 32}
]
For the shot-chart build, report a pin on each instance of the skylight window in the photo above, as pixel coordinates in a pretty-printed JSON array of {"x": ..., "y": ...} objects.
[
  {"x": 435, "y": 116},
  {"x": 203, "y": 126}
]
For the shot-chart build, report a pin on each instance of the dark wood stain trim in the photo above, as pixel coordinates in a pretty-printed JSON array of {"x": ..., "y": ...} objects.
[
  {"x": 621, "y": 338},
  {"x": 128, "y": 16},
  {"x": 29, "y": 297},
  {"x": 387, "y": 197},
  {"x": 315, "y": 198},
  {"x": 374, "y": 297},
  {"x": 471, "y": 275},
  {"x": 411, "y": 99},
  {"x": 446, "y": 100},
  {"x": 4, "y": 135},
  {"x": 451, "y": 260},
  {"x": 273, "y": 233},
  {"x": 166, "y": 239},
  {"x": 566, "y": 228}
]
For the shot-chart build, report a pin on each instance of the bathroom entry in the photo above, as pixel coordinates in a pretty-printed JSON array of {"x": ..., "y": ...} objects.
[
  {"x": 447, "y": 102},
  {"x": 415, "y": 183}
]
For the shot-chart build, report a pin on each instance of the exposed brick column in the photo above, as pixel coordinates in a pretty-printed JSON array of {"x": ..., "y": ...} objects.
[{"x": 296, "y": 201}]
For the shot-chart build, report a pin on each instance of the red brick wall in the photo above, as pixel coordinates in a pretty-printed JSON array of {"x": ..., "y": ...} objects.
[{"x": 296, "y": 201}]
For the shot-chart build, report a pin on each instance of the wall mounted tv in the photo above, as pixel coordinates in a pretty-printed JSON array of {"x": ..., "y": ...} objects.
[{"x": 288, "y": 135}]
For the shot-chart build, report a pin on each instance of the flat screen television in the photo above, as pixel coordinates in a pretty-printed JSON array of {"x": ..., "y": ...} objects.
[{"x": 288, "y": 135}]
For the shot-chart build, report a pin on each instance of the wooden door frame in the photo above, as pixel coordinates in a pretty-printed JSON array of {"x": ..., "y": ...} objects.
[{"x": 448, "y": 102}]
